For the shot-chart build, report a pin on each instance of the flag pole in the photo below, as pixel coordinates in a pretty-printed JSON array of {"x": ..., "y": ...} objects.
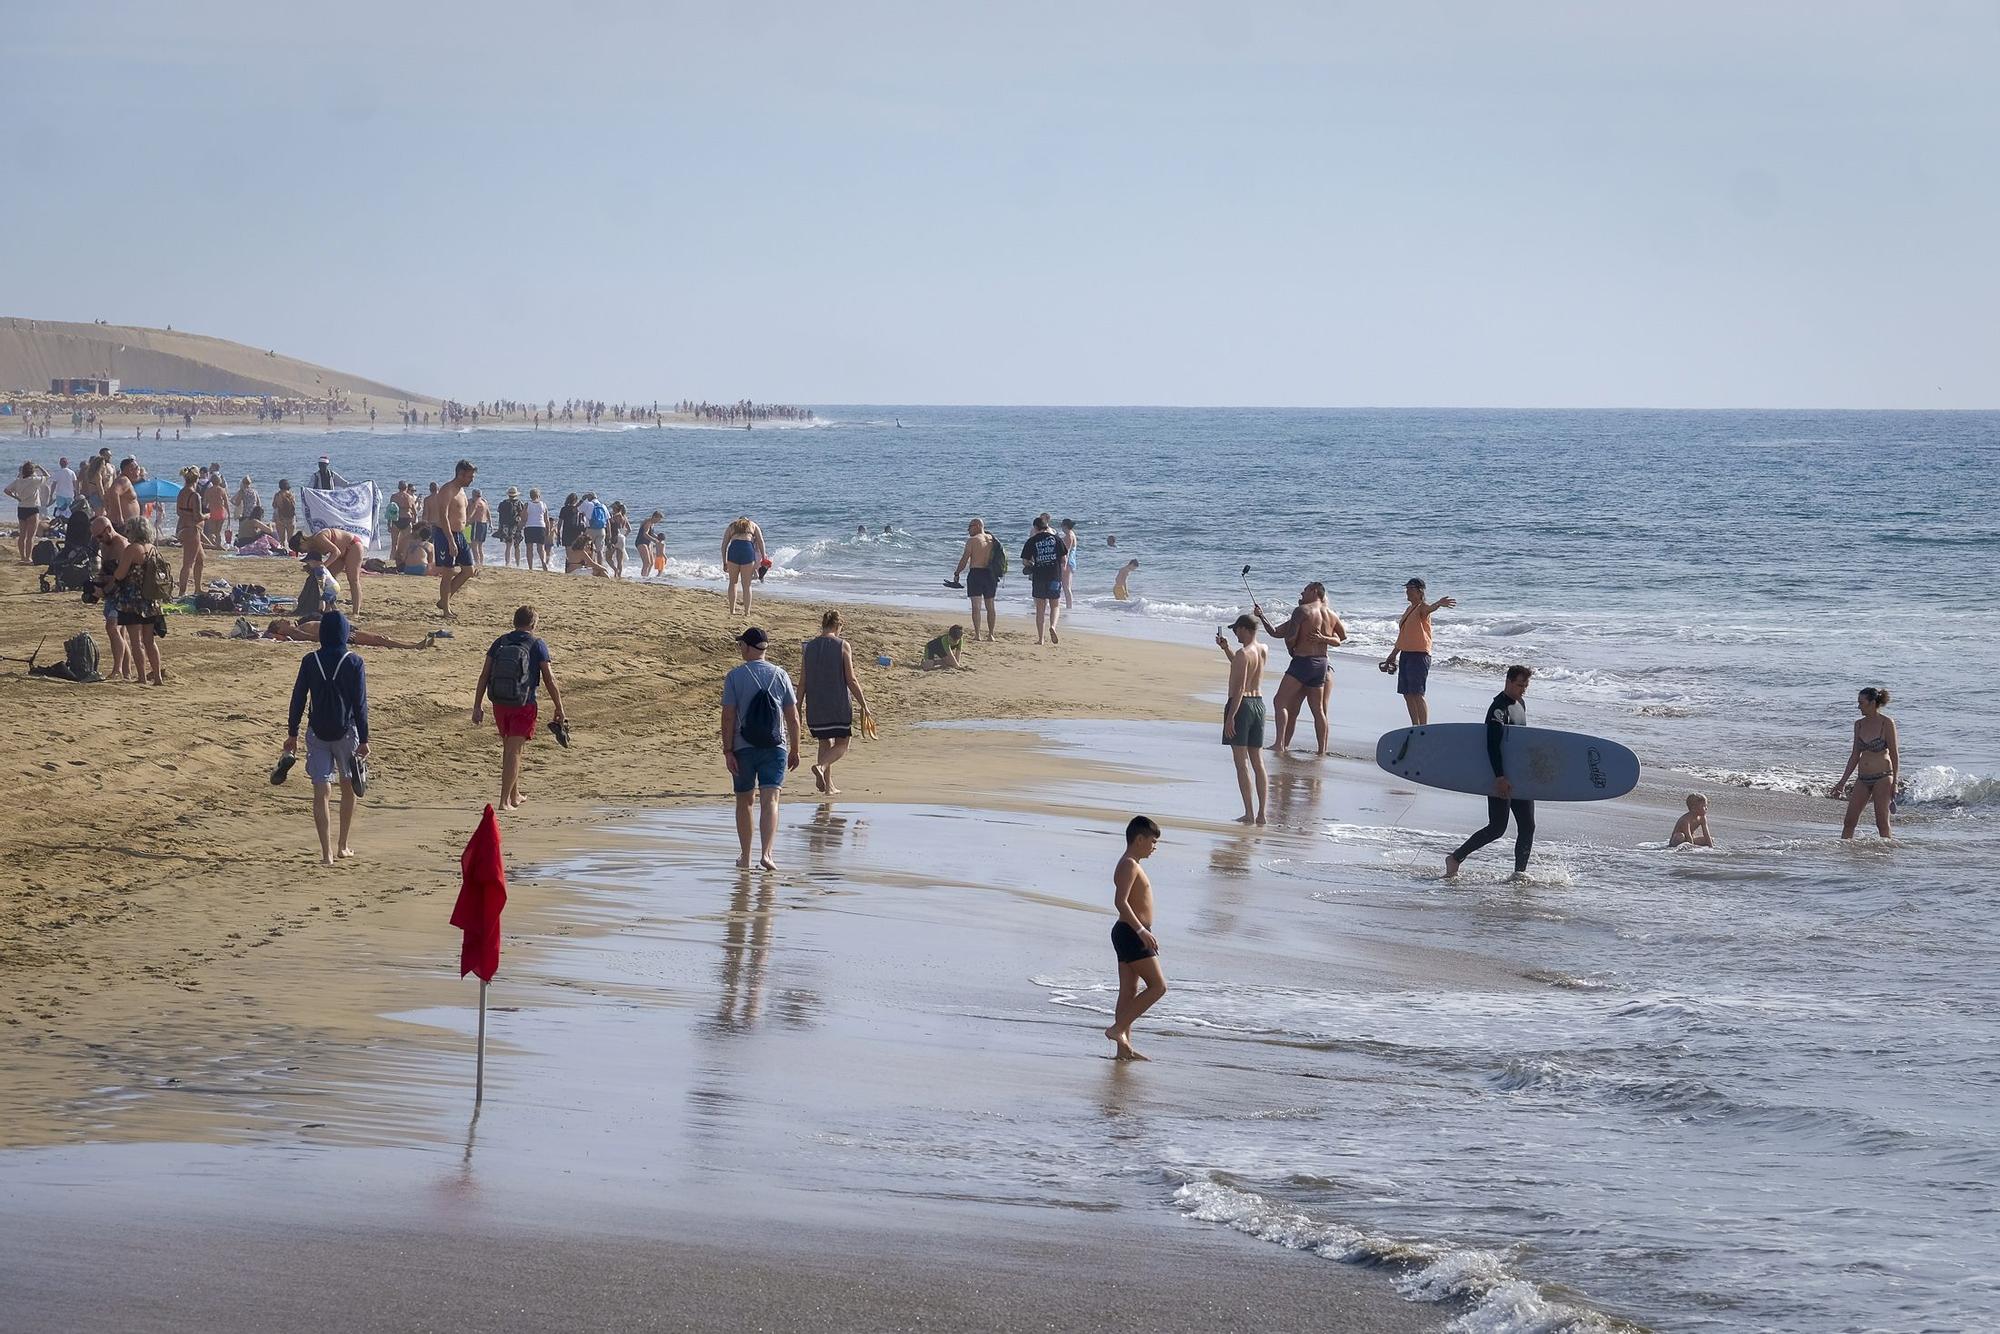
[{"x": 479, "y": 1078}]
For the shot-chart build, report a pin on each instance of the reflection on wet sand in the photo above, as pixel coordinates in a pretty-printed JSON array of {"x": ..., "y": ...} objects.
[
  {"x": 746, "y": 948},
  {"x": 829, "y": 833},
  {"x": 1294, "y": 794}
]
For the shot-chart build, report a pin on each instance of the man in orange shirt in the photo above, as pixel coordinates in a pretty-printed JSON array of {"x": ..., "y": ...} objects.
[{"x": 1410, "y": 660}]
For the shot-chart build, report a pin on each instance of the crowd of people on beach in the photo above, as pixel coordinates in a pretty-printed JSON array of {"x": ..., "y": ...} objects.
[{"x": 766, "y": 719}]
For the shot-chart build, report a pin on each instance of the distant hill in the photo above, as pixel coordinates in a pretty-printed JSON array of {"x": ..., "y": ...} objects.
[{"x": 33, "y": 352}]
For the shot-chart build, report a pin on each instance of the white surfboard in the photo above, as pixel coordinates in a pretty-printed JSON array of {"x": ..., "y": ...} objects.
[{"x": 1542, "y": 764}]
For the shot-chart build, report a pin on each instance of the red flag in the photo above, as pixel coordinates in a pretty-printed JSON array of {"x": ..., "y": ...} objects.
[{"x": 482, "y": 893}]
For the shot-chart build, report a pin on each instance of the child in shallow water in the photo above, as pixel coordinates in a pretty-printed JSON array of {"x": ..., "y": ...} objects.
[{"x": 1693, "y": 827}]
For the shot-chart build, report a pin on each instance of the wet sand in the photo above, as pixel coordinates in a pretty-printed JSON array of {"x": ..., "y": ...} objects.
[{"x": 877, "y": 1076}]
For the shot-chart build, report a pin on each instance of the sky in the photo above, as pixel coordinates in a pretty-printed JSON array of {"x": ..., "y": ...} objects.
[{"x": 1672, "y": 204}]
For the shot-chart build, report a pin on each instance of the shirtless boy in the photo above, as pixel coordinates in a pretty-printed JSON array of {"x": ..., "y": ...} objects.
[
  {"x": 1693, "y": 827},
  {"x": 452, "y": 554},
  {"x": 976, "y": 564},
  {"x": 1243, "y": 715},
  {"x": 1132, "y": 937},
  {"x": 1309, "y": 632}
]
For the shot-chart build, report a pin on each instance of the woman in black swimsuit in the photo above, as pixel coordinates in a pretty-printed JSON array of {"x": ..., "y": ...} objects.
[{"x": 1873, "y": 763}]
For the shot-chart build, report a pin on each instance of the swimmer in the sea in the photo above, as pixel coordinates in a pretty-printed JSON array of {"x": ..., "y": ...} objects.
[
  {"x": 1118, "y": 589},
  {"x": 1693, "y": 827},
  {"x": 1132, "y": 937}
]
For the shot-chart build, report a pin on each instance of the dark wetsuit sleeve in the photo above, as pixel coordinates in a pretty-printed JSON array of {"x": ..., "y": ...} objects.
[
  {"x": 1496, "y": 730},
  {"x": 299, "y": 689}
]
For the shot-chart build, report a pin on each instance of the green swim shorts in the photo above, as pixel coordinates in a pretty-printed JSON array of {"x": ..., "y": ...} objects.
[{"x": 1248, "y": 728}]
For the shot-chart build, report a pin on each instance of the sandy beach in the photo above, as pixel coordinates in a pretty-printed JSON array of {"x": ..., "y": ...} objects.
[{"x": 186, "y": 982}]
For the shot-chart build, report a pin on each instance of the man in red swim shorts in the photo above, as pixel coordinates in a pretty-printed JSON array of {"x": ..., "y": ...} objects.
[{"x": 516, "y": 667}]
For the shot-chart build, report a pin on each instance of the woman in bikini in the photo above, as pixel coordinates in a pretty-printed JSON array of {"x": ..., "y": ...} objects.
[
  {"x": 187, "y": 529},
  {"x": 742, "y": 552},
  {"x": 342, "y": 553},
  {"x": 1873, "y": 763}
]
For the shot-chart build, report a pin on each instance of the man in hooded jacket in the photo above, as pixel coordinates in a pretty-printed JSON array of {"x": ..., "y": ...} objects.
[{"x": 334, "y": 683}]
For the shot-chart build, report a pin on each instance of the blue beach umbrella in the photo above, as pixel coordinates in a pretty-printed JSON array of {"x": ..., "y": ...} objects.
[{"x": 154, "y": 488}]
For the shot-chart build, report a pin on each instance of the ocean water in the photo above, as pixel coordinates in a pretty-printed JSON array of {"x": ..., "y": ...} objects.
[{"x": 1747, "y": 1088}]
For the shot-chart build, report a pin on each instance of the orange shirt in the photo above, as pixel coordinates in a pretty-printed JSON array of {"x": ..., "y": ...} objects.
[{"x": 1413, "y": 633}]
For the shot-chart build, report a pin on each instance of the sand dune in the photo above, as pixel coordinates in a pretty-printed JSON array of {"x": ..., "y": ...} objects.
[{"x": 32, "y": 352}]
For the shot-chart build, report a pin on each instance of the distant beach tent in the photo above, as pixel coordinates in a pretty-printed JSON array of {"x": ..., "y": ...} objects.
[{"x": 84, "y": 387}]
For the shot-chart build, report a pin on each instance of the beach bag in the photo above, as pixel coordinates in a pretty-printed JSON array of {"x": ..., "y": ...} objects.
[
  {"x": 79, "y": 662},
  {"x": 998, "y": 562},
  {"x": 762, "y": 724},
  {"x": 44, "y": 552},
  {"x": 512, "y": 679},
  {"x": 154, "y": 579}
]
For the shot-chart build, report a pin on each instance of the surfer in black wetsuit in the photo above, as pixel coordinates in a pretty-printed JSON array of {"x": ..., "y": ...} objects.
[{"x": 1509, "y": 709}]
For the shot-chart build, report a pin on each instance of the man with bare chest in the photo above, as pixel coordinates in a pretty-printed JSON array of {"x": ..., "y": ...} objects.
[
  {"x": 1312, "y": 629},
  {"x": 447, "y": 511},
  {"x": 1243, "y": 715}
]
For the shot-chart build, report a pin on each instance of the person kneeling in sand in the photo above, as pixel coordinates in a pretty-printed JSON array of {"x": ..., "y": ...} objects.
[
  {"x": 1693, "y": 827},
  {"x": 336, "y": 683},
  {"x": 944, "y": 650},
  {"x": 578, "y": 556},
  {"x": 1132, "y": 937}
]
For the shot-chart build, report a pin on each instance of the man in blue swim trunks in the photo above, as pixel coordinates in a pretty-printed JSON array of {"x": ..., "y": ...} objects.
[
  {"x": 451, "y": 554},
  {"x": 982, "y": 581},
  {"x": 760, "y": 740},
  {"x": 1044, "y": 555},
  {"x": 1309, "y": 632}
]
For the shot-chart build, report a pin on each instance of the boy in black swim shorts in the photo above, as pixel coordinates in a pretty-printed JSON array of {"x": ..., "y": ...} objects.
[{"x": 1132, "y": 937}]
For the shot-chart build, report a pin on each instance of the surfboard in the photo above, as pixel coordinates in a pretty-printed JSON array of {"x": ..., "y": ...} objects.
[{"x": 1544, "y": 764}]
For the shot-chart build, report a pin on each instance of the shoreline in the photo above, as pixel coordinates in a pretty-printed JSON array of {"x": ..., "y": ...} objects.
[{"x": 179, "y": 1004}]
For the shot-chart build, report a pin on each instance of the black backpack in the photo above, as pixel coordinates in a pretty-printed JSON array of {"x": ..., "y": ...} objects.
[
  {"x": 762, "y": 723},
  {"x": 79, "y": 661},
  {"x": 512, "y": 680}
]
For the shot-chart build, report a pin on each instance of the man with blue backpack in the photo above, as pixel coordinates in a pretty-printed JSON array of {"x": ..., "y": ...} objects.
[
  {"x": 760, "y": 740},
  {"x": 335, "y": 684}
]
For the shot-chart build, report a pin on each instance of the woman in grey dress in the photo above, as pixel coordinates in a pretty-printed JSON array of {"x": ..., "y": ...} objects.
[{"x": 826, "y": 679}]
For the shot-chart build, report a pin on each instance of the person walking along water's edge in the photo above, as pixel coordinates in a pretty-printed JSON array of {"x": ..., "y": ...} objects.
[
  {"x": 831, "y": 694},
  {"x": 1508, "y": 709},
  {"x": 760, "y": 741},
  {"x": 515, "y": 669},
  {"x": 334, "y": 681}
]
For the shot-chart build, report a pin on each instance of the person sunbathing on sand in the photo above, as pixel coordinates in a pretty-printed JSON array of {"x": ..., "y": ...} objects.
[
  {"x": 1132, "y": 937},
  {"x": 1693, "y": 827}
]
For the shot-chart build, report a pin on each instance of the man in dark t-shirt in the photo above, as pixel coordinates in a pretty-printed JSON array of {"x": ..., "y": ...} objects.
[
  {"x": 518, "y": 653},
  {"x": 1044, "y": 556},
  {"x": 1509, "y": 709}
]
